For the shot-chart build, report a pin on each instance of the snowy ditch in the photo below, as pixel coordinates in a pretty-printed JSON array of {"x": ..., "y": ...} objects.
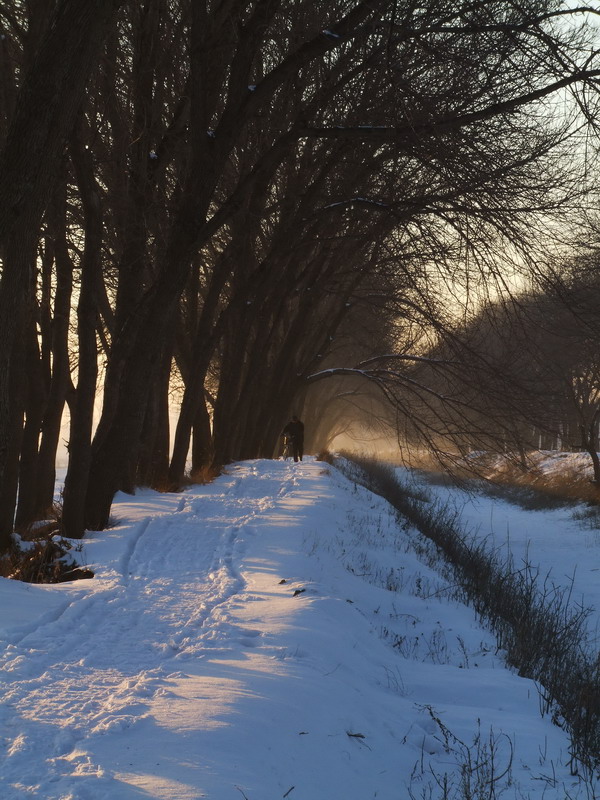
[{"x": 542, "y": 631}]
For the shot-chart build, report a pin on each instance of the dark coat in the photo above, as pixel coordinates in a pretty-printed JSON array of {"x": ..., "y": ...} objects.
[{"x": 294, "y": 429}]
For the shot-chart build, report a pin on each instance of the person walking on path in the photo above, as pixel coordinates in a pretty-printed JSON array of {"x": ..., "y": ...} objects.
[{"x": 295, "y": 431}]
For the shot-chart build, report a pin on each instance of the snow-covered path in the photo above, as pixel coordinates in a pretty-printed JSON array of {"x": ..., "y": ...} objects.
[
  {"x": 270, "y": 635},
  {"x": 95, "y": 665}
]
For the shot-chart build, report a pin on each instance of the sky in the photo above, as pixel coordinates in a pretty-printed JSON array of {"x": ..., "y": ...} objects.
[{"x": 273, "y": 634}]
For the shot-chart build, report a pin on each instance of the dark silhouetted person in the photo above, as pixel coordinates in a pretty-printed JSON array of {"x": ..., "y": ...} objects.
[{"x": 295, "y": 431}]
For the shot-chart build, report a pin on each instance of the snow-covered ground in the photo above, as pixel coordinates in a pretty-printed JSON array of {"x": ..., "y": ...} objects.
[
  {"x": 563, "y": 546},
  {"x": 271, "y": 635}
]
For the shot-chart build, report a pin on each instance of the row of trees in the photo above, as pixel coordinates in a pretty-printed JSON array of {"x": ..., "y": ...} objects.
[
  {"x": 251, "y": 200},
  {"x": 529, "y": 368}
]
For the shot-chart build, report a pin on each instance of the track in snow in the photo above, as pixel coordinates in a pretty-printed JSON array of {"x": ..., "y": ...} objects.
[{"x": 104, "y": 652}]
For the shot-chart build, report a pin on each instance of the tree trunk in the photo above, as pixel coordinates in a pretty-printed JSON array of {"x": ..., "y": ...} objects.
[
  {"x": 60, "y": 379},
  {"x": 153, "y": 465},
  {"x": 8, "y": 487},
  {"x": 82, "y": 404},
  {"x": 51, "y": 93},
  {"x": 20, "y": 255},
  {"x": 588, "y": 441},
  {"x": 116, "y": 444},
  {"x": 225, "y": 423},
  {"x": 193, "y": 405},
  {"x": 202, "y": 447},
  {"x": 34, "y": 412}
]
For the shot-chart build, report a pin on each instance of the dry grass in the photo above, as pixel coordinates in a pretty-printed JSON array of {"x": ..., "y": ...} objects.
[
  {"x": 200, "y": 476},
  {"x": 46, "y": 559},
  {"x": 41, "y": 554},
  {"x": 204, "y": 475},
  {"x": 545, "y": 638},
  {"x": 534, "y": 480},
  {"x": 568, "y": 481}
]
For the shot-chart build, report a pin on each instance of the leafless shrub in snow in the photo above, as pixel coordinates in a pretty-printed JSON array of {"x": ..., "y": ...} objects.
[{"x": 483, "y": 768}]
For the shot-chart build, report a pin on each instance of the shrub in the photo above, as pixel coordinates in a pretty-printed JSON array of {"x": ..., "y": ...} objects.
[{"x": 47, "y": 559}]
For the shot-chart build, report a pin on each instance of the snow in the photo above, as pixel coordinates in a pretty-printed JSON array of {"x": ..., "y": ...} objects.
[
  {"x": 564, "y": 549},
  {"x": 270, "y": 635}
]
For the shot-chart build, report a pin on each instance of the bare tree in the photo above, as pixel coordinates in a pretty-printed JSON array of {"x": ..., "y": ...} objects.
[
  {"x": 45, "y": 107},
  {"x": 245, "y": 183}
]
